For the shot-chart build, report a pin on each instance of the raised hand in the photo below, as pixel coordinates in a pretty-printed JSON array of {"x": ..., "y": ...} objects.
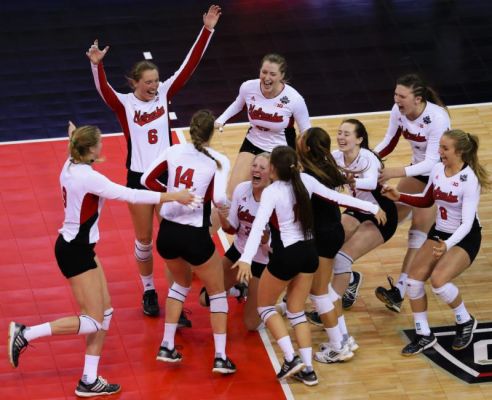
[
  {"x": 95, "y": 54},
  {"x": 211, "y": 17}
]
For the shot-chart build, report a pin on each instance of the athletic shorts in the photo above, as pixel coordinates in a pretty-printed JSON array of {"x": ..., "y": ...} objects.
[
  {"x": 470, "y": 243},
  {"x": 389, "y": 207},
  {"x": 233, "y": 255},
  {"x": 74, "y": 258},
  {"x": 133, "y": 179},
  {"x": 190, "y": 243},
  {"x": 286, "y": 262},
  {"x": 329, "y": 240},
  {"x": 421, "y": 178},
  {"x": 248, "y": 147}
]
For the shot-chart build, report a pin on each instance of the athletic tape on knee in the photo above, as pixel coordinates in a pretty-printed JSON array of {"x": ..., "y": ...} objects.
[
  {"x": 143, "y": 251},
  {"x": 447, "y": 292},
  {"x": 323, "y": 303},
  {"x": 218, "y": 303},
  {"x": 296, "y": 318},
  {"x": 266, "y": 312},
  {"x": 343, "y": 263},
  {"x": 178, "y": 292},
  {"x": 416, "y": 238},
  {"x": 87, "y": 325},
  {"x": 332, "y": 294},
  {"x": 415, "y": 289},
  {"x": 108, "y": 314}
]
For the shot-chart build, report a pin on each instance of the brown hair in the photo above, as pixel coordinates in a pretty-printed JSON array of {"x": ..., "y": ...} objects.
[
  {"x": 277, "y": 59},
  {"x": 316, "y": 158},
  {"x": 202, "y": 130},
  {"x": 284, "y": 160},
  {"x": 361, "y": 133},
  {"x": 81, "y": 140},
  {"x": 420, "y": 88},
  {"x": 137, "y": 71},
  {"x": 467, "y": 145}
]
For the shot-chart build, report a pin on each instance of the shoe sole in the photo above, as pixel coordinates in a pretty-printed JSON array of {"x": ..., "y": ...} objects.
[
  {"x": 10, "y": 343},
  {"x": 293, "y": 371},
  {"x": 356, "y": 293},
  {"x": 344, "y": 358},
  {"x": 307, "y": 383},
  {"x": 169, "y": 360},
  {"x": 224, "y": 371},
  {"x": 92, "y": 394},
  {"x": 471, "y": 338},
  {"x": 428, "y": 346},
  {"x": 389, "y": 305}
]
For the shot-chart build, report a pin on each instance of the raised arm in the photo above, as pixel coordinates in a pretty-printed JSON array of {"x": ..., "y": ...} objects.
[
  {"x": 235, "y": 108},
  {"x": 392, "y": 136}
]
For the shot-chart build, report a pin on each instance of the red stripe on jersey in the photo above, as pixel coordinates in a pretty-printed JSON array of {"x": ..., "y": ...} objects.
[
  {"x": 274, "y": 220},
  {"x": 392, "y": 144},
  {"x": 191, "y": 65},
  {"x": 416, "y": 201},
  {"x": 209, "y": 194},
  {"x": 291, "y": 121},
  {"x": 152, "y": 181},
  {"x": 89, "y": 207},
  {"x": 112, "y": 100}
]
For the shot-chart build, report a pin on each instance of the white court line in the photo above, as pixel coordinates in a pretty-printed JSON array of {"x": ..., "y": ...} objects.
[
  {"x": 247, "y": 123},
  {"x": 455, "y": 361},
  {"x": 452, "y": 332},
  {"x": 263, "y": 335}
]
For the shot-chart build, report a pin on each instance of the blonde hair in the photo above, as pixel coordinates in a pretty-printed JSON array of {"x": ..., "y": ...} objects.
[
  {"x": 81, "y": 140},
  {"x": 201, "y": 131},
  {"x": 467, "y": 145}
]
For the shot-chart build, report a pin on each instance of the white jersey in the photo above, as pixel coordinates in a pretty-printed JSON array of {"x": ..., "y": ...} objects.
[
  {"x": 423, "y": 134},
  {"x": 188, "y": 168},
  {"x": 456, "y": 197},
  {"x": 241, "y": 217},
  {"x": 277, "y": 205},
  {"x": 84, "y": 191},
  {"x": 366, "y": 181},
  {"x": 269, "y": 118},
  {"x": 146, "y": 123}
]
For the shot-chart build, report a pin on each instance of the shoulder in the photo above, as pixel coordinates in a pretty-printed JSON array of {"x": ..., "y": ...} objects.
[
  {"x": 468, "y": 175},
  {"x": 435, "y": 115},
  {"x": 219, "y": 156},
  {"x": 293, "y": 93},
  {"x": 242, "y": 189},
  {"x": 250, "y": 85},
  {"x": 337, "y": 155}
]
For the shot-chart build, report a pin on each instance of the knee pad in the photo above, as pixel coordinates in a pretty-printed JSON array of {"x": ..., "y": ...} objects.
[
  {"x": 416, "y": 238},
  {"x": 343, "y": 263},
  {"x": 266, "y": 312},
  {"x": 88, "y": 325},
  {"x": 218, "y": 303},
  {"x": 415, "y": 289},
  {"x": 322, "y": 303},
  {"x": 447, "y": 292},
  {"x": 332, "y": 294},
  {"x": 143, "y": 252},
  {"x": 178, "y": 292},
  {"x": 108, "y": 314},
  {"x": 296, "y": 318}
]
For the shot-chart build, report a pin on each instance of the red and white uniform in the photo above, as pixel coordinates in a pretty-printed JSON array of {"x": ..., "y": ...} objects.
[
  {"x": 423, "y": 134},
  {"x": 277, "y": 205},
  {"x": 84, "y": 191},
  {"x": 456, "y": 197},
  {"x": 269, "y": 118},
  {"x": 188, "y": 168},
  {"x": 366, "y": 181},
  {"x": 241, "y": 217},
  {"x": 146, "y": 123}
]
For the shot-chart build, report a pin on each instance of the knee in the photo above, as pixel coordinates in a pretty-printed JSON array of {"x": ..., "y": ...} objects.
[
  {"x": 447, "y": 292},
  {"x": 415, "y": 289},
  {"x": 143, "y": 250},
  {"x": 416, "y": 238}
]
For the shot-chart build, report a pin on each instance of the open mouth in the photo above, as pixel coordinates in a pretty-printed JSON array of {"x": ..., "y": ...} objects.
[
  {"x": 267, "y": 84},
  {"x": 256, "y": 178}
]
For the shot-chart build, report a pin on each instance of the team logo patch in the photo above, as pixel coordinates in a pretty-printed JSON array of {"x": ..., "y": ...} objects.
[
  {"x": 427, "y": 120},
  {"x": 285, "y": 100},
  {"x": 463, "y": 177},
  {"x": 473, "y": 364}
]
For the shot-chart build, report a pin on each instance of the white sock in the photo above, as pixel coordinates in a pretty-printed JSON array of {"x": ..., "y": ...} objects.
[
  {"x": 342, "y": 326},
  {"x": 148, "y": 282},
  {"x": 90, "y": 369},
  {"x": 37, "y": 331},
  {"x": 421, "y": 323},
  {"x": 401, "y": 285},
  {"x": 461, "y": 314},
  {"x": 286, "y": 345},
  {"x": 307, "y": 357},
  {"x": 220, "y": 345},
  {"x": 335, "y": 337},
  {"x": 169, "y": 333}
]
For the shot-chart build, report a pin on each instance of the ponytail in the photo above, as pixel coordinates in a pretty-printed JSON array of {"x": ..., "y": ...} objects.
[
  {"x": 81, "y": 141},
  {"x": 201, "y": 131}
]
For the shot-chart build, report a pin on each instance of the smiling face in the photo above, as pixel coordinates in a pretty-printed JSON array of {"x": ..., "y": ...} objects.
[
  {"x": 260, "y": 172},
  {"x": 347, "y": 137},
  {"x": 447, "y": 151},
  {"x": 407, "y": 102},
  {"x": 145, "y": 88},
  {"x": 271, "y": 79}
]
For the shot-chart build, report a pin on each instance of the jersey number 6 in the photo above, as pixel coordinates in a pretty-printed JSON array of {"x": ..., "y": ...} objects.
[
  {"x": 185, "y": 178},
  {"x": 152, "y": 136}
]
